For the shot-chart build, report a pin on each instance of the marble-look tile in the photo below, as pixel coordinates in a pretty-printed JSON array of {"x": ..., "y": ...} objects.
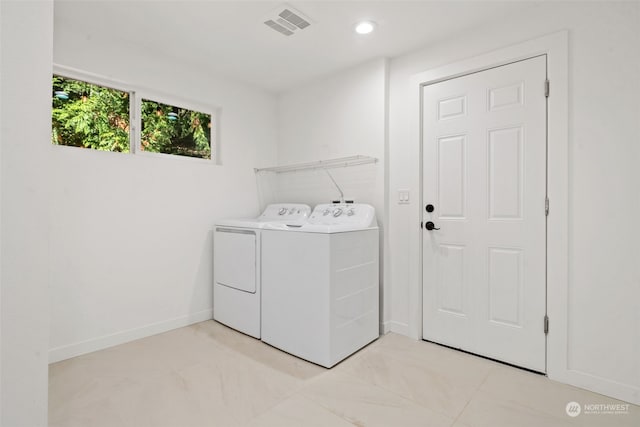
[
  {"x": 231, "y": 390},
  {"x": 98, "y": 399},
  {"x": 438, "y": 378},
  {"x": 178, "y": 348},
  {"x": 366, "y": 405},
  {"x": 485, "y": 411},
  {"x": 165, "y": 401},
  {"x": 297, "y": 412},
  {"x": 258, "y": 351},
  {"x": 83, "y": 381},
  {"x": 207, "y": 375},
  {"x": 630, "y": 418},
  {"x": 537, "y": 392},
  {"x": 90, "y": 377},
  {"x": 396, "y": 342},
  {"x": 175, "y": 379},
  {"x": 79, "y": 411},
  {"x": 126, "y": 360},
  {"x": 455, "y": 363}
]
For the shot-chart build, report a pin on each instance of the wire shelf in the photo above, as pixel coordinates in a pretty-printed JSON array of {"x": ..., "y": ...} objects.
[{"x": 321, "y": 164}]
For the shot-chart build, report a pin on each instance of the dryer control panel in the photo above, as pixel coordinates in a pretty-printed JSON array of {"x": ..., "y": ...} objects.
[
  {"x": 285, "y": 212},
  {"x": 354, "y": 214}
]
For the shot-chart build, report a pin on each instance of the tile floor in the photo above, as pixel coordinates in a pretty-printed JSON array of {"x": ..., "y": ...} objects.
[{"x": 209, "y": 375}]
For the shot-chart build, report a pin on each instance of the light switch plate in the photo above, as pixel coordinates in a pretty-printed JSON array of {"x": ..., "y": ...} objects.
[{"x": 403, "y": 197}]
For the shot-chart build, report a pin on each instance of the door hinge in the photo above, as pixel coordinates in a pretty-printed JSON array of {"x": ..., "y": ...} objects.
[
  {"x": 546, "y": 324},
  {"x": 546, "y": 206},
  {"x": 546, "y": 88}
]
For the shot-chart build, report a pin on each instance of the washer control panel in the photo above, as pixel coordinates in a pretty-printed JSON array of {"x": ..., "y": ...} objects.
[
  {"x": 357, "y": 214},
  {"x": 285, "y": 212}
]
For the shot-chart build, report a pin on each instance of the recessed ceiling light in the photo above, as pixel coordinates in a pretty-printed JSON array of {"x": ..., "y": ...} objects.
[{"x": 365, "y": 27}]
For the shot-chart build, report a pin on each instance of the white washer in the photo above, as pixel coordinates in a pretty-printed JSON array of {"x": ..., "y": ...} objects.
[
  {"x": 236, "y": 265},
  {"x": 320, "y": 287}
]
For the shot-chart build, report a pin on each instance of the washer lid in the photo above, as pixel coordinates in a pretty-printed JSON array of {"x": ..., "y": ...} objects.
[{"x": 240, "y": 223}]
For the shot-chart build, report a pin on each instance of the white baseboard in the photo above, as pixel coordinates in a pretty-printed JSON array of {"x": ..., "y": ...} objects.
[
  {"x": 625, "y": 392},
  {"x": 383, "y": 328},
  {"x": 396, "y": 327},
  {"x": 83, "y": 347}
]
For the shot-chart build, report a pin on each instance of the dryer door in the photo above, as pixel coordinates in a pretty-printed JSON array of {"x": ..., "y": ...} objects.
[{"x": 234, "y": 258}]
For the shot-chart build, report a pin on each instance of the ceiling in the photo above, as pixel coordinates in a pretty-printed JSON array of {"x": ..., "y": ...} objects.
[{"x": 229, "y": 38}]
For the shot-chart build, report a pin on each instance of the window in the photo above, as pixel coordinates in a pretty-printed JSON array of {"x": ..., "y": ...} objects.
[
  {"x": 171, "y": 130},
  {"x": 90, "y": 116},
  {"x": 95, "y": 116}
]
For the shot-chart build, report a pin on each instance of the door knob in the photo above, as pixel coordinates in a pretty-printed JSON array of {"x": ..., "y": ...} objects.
[
  {"x": 429, "y": 225},
  {"x": 429, "y": 208}
]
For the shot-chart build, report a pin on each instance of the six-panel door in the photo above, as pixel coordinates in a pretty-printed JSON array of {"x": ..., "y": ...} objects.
[{"x": 484, "y": 171}]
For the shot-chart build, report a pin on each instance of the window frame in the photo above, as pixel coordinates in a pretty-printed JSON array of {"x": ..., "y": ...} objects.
[
  {"x": 156, "y": 96},
  {"x": 136, "y": 95}
]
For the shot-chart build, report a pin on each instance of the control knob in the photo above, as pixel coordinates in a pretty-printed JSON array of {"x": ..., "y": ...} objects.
[
  {"x": 337, "y": 212},
  {"x": 282, "y": 211}
]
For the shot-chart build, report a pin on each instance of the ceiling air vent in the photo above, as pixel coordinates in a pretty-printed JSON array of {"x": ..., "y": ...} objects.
[{"x": 286, "y": 20}]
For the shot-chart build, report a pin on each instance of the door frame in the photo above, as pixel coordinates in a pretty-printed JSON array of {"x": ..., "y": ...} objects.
[
  {"x": 556, "y": 47},
  {"x": 532, "y": 72}
]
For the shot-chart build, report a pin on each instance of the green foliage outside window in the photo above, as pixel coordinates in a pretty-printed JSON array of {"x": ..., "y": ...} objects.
[
  {"x": 92, "y": 116},
  {"x": 171, "y": 130}
]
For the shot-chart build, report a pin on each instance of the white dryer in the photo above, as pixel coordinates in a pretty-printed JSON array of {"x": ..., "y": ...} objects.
[
  {"x": 236, "y": 265},
  {"x": 320, "y": 287}
]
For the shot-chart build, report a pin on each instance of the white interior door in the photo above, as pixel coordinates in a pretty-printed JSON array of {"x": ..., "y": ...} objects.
[{"x": 484, "y": 172}]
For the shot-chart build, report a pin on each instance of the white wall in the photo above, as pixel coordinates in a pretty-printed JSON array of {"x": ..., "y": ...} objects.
[
  {"x": 604, "y": 125},
  {"x": 24, "y": 174},
  {"x": 155, "y": 214},
  {"x": 338, "y": 116},
  {"x": 131, "y": 247},
  {"x": 341, "y": 115}
]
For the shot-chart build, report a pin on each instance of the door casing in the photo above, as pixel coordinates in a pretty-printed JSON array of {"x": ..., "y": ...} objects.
[
  {"x": 454, "y": 329},
  {"x": 555, "y": 46}
]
